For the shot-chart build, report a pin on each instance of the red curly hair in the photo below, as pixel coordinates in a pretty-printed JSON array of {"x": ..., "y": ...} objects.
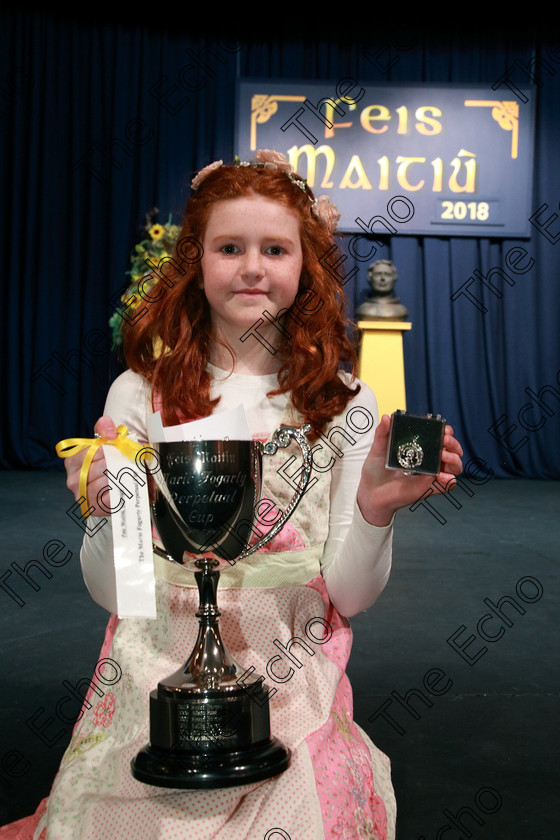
[{"x": 178, "y": 314}]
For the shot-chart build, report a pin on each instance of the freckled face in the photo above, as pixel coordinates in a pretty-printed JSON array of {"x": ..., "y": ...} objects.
[{"x": 252, "y": 262}]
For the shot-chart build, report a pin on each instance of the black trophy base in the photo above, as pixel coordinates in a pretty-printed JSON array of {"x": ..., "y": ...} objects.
[
  {"x": 161, "y": 768},
  {"x": 209, "y": 739}
]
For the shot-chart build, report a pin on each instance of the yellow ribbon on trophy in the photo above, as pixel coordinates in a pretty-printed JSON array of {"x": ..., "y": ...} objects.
[{"x": 71, "y": 446}]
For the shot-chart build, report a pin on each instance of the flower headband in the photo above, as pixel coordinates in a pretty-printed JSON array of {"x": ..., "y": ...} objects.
[{"x": 322, "y": 207}]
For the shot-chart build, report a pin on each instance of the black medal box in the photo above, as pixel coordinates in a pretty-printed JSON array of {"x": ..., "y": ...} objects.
[{"x": 415, "y": 443}]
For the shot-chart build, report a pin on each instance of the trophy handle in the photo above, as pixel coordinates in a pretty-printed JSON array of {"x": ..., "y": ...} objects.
[{"x": 280, "y": 440}]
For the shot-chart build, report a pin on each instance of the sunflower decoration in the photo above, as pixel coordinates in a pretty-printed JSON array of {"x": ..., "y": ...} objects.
[
  {"x": 157, "y": 232},
  {"x": 158, "y": 242}
]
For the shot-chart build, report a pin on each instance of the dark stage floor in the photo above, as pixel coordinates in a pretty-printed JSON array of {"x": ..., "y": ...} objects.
[{"x": 477, "y": 745}]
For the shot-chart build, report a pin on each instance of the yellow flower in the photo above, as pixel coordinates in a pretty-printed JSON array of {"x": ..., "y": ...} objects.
[
  {"x": 156, "y": 231},
  {"x": 132, "y": 296}
]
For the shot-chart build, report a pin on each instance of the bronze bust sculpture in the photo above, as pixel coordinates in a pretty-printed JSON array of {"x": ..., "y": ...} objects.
[{"x": 381, "y": 305}]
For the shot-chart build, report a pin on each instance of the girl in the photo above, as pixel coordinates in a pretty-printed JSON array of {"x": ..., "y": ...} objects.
[{"x": 257, "y": 319}]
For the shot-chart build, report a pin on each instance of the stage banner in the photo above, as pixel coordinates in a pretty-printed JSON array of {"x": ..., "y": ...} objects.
[{"x": 435, "y": 160}]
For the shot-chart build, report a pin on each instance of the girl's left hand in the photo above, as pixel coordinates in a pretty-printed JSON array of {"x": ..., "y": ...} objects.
[{"x": 382, "y": 492}]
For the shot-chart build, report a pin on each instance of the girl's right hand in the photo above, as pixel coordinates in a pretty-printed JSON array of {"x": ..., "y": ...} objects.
[{"x": 97, "y": 480}]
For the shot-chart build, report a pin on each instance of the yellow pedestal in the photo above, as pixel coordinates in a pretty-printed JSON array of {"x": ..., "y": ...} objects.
[{"x": 382, "y": 364}]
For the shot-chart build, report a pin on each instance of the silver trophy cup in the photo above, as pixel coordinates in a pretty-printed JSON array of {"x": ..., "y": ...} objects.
[{"x": 209, "y": 728}]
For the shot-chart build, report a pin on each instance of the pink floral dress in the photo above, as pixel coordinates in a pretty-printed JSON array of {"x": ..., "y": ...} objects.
[{"x": 338, "y": 784}]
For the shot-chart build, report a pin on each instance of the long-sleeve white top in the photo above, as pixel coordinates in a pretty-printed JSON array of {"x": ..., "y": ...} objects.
[{"x": 357, "y": 555}]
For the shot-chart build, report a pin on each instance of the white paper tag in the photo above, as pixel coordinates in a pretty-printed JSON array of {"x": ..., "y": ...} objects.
[
  {"x": 224, "y": 425},
  {"x": 132, "y": 536}
]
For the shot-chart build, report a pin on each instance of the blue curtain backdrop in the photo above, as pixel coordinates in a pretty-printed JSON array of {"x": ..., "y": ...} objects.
[{"x": 96, "y": 130}]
